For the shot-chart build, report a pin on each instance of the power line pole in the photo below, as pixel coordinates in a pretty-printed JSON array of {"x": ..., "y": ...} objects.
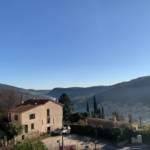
[
  {"x": 62, "y": 143},
  {"x": 140, "y": 121}
]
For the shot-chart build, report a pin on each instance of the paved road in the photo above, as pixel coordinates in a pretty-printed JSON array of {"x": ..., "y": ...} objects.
[
  {"x": 127, "y": 147},
  {"x": 135, "y": 147}
]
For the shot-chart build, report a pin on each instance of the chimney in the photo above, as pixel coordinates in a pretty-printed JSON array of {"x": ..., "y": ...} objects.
[
  {"x": 56, "y": 100},
  {"x": 22, "y": 102},
  {"x": 33, "y": 98}
]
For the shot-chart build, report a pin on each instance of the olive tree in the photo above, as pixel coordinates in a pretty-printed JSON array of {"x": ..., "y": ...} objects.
[{"x": 14, "y": 129}]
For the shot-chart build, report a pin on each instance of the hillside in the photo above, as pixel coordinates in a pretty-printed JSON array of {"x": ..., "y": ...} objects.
[
  {"x": 28, "y": 93},
  {"x": 76, "y": 92},
  {"x": 132, "y": 97}
]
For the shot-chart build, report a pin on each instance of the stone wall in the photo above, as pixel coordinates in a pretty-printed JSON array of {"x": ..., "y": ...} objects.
[
  {"x": 123, "y": 143},
  {"x": 27, "y": 135},
  {"x": 111, "y": 124}
]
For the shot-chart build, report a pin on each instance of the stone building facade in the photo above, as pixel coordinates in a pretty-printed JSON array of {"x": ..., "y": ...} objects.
[{"x": 38, "y": 115}]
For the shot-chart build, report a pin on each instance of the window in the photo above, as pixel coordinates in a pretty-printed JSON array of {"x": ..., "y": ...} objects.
[
  {"x": 42, "y": 122},
  {"x": 32, "y": 126},
  {"x": 16, "y": 117},
  {"x": 32, "y": 116},
  {"x": 47, "y": 112},
  {"x": 9, "y": 116},
  {"x": 53, "y": 120},
  {"x": 48, "y": 120}
]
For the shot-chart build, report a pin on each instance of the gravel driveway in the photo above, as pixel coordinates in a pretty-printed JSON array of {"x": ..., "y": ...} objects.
[{"x": 51, "y": 142}]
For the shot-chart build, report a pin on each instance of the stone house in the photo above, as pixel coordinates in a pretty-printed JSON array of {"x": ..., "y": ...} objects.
[{"x": 38, "y": 115}]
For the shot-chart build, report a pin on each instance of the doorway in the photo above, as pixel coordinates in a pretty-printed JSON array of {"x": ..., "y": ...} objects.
[
  {"x": 23, "y": 137},
  {"x": 26, "y": 128},
  {"x": 48, "y": 129}
]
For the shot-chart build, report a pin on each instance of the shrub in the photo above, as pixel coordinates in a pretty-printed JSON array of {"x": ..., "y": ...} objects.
[
  {"x": 3, "y": 118},
  {"x": 29, "y": 145},
  {"x": 90, "y": 130},
  {"x": 14, "y": 129}
]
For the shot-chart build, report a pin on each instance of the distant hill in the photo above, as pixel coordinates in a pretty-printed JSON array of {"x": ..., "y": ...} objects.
[
  {"x": 28, "y": 93},
  {"x": 76, "y": 92},
  {"x": 132, "y": 97}
]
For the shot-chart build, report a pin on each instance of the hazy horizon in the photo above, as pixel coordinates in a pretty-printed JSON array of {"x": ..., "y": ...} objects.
[{"x": 74, "y": 86}]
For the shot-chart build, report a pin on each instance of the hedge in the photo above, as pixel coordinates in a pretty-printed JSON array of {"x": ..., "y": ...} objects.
[
  {"x": 89, "y": 130},
  {"x": 110, "y": 133}
]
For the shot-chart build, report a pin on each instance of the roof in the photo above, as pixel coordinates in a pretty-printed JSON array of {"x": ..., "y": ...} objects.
[
  {"x": 31, "y": 103},
  {"x": 41, "y": 101},
  {"x": 22, "y": 108},
  {"x": 38, "y": 101}
]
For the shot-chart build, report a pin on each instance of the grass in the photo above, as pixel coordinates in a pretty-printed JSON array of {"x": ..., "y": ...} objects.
[{"x": 32, "y": 139}]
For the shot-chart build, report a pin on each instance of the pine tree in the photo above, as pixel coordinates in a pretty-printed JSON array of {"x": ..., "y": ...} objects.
[
  {"x": 68, "y": 105},
  {"x": 103, "y": 115},
  {"x": 88, "y": 110},
  {"x": 100, "y": 115}
]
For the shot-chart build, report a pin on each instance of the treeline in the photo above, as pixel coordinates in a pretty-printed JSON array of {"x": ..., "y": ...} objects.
[{"x": 97, "y": 112}]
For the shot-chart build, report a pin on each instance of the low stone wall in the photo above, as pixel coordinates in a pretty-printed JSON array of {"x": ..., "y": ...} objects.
[
  {"x": 111, "y": 124},
  {"x": 27, "y": 135},
  {"x": 1, "y": 141},
  {"x": 5, "y": 142},
  {"x": 123, "y": 143}
]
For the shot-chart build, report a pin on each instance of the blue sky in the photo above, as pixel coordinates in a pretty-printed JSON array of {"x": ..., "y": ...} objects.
[{"x": 80, "y": 43}]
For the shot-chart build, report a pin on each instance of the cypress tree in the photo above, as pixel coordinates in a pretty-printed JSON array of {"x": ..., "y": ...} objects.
[
  {"x": 103, "y": 115},
  {"x": 95, "y": 106},
  {"x": 100, "y": 115},
  {"x": 88, "y": 107}
]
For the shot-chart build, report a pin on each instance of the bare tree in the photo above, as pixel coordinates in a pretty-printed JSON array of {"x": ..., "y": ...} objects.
[
  {"x": 8, "y": 99},
  {"x": 1, "y": 110}
]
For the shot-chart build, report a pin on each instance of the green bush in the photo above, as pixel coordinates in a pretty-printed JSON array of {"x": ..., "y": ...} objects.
[
  {"x": 89, "y": 130},
  {"x": 14, "y": 129},
  {"x": 38, "y": 138},
  {"x": 110, "y": 133},
  {"x": 3, "y": 118},
  {"x": 130, "y": 132},
  {"x": 29, "y": 145}
]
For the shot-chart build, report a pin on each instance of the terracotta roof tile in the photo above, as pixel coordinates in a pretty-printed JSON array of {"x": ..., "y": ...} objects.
[
  {"x": 22, "y": 108},
  {"x": 29, "y": 104},
  {"x": 40, "y": 101},
  {"x": 37, "y": 101}
]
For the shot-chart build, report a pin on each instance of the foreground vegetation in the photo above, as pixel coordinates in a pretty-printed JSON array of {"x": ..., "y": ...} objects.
[
  {"x": 29, "y": 145},
  {"x": 110, "y": 134}
]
